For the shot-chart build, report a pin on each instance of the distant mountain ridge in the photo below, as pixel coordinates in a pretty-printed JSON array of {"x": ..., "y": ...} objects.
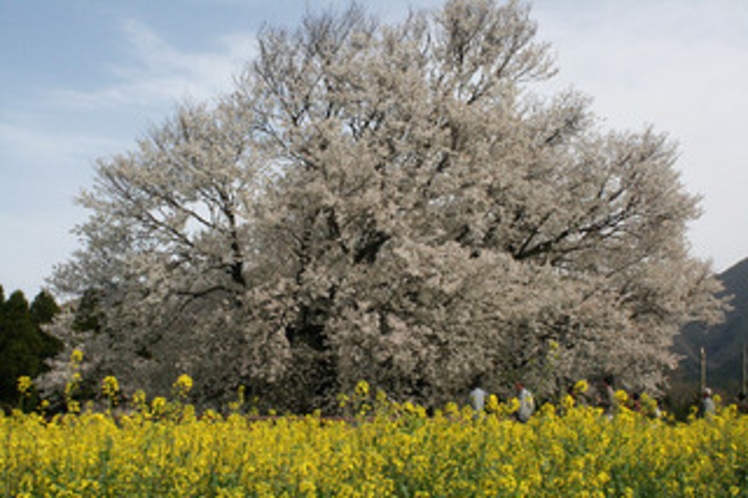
[{"x": 723, "y": 343}]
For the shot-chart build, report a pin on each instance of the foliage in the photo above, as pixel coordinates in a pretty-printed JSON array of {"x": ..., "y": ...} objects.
[
  {"x": 162, "y": 448},
  {"x": 24, "y": 345},
  {"x": 394, "y": 203}
]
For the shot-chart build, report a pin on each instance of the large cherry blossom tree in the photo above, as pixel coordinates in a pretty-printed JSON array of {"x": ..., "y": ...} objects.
[{"x": 393, "y": 203}]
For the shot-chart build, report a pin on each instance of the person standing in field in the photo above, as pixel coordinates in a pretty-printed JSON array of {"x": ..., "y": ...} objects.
[
  {"x": 526, "y": 402},
  {"x": 707, "y": 406},
  {"x": 477, "y": 397}
]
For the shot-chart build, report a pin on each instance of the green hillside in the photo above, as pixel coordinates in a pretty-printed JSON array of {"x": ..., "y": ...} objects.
[{"x": 723, "y": 343}]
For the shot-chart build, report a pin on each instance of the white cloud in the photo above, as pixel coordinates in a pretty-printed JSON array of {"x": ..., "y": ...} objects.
[
  {"x": 45, "y": 149},
  {"x": 157, "y": 74},
  {"x": 681, "y": 66},
  {"x": 34, "y": 244},
  {"x": 49, "y": 141}
]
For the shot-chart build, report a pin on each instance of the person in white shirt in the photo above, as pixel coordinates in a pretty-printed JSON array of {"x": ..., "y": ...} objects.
[
  {"x": 478, "y": 396},
  {"x": 526, "y": 402},
  {"x": 707, "y": 406}
]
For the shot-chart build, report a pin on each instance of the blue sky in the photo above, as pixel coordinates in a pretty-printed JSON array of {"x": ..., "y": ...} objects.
[{"x": 82, "y": 79}]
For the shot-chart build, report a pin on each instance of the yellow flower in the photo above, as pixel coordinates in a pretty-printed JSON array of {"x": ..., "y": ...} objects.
[
  {"x": 567, "y": 402},
  {"x": 158, "y": 405},
  {"x": 452, "y": 409},
  {"x": 182, "y": 386},
  {"x": 513, "y": 405},
  {"x": 493, "y": 404},
  {"x": 307, "y": 487},
  {"x": 580, "y": 387},
  {"x": 408, "y": 407},
  {"x": 139, "y": 399},
  {"x": 24, "y": 385},
  {"x": 76, "y": 356},
  {"x": 110, "y": 386},
  {"x": 236, "y": 455},
  {"x": 602, "y": 478},
  {"x": 362, "y": 389}
]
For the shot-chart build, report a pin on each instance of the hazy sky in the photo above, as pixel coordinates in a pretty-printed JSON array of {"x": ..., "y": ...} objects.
[{"x": 81, "y": 79}]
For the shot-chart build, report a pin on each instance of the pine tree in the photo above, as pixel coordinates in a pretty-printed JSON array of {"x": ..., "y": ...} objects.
[
  {"x": 44, "y": 308},
  {"x": 19, "y": 342},
  {"x": 24, "y": 345}
]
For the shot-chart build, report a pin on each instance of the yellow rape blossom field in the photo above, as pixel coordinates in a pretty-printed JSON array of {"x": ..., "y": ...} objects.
[{"x": 161, "y": 448}]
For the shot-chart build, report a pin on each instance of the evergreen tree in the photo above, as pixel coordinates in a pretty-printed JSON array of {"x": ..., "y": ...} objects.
[
  {"x": 23, "y": 344},
  {"x": 19, "y": 342},
  {"x": 44, "y": 308}
]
